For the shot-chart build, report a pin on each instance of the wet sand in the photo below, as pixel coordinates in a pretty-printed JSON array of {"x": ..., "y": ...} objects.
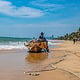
[
  {"x": 13, "y": 64},
  {"x": 62, "y": 62}
]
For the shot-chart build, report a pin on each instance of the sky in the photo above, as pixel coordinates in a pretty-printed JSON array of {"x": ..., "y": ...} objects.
[{"x": 28, "y": 18}]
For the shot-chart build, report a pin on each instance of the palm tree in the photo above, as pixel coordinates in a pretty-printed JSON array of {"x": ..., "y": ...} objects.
[{"x": 78, "y": 30}]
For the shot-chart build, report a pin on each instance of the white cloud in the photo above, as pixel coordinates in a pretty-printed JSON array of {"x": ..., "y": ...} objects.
[
  {"x": 47, "y": 6},
  {"x": 7, "y": 8}
]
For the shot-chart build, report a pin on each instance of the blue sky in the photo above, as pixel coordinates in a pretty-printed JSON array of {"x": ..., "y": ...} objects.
[{"x": 27, "y": 18}]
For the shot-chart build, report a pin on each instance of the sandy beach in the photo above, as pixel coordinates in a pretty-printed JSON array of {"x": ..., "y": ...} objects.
[
  {"x": 69, "y": 67},
  {"x": 71, "y": 62},
  {"x": 62, "y": 63}
]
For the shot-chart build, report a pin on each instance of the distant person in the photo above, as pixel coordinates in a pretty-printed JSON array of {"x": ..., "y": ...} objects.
[{"x": 74, "y": 40}]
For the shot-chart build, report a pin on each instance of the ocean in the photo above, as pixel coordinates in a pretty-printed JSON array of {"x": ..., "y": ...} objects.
[
  {"x": 8, "y": 43},
  {"x": 12, "y": 43}
]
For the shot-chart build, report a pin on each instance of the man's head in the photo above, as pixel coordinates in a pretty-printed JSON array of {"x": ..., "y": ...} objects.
[{"x": 42, "y": 33}]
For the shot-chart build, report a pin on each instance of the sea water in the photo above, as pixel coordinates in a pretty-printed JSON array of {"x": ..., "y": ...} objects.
[
  {"x": 8, "y": 43},
  {"x": 12, "y": 43}
]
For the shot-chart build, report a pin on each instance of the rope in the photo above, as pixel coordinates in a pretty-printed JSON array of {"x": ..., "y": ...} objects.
[{"x": 36, "y": 73}]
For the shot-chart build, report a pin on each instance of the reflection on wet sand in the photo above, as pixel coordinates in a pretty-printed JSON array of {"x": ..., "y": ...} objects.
[{"x": 36, "y": 57}]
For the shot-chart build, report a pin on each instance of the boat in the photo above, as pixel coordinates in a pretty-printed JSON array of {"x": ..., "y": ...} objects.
[{"x": 37, "y": 46}]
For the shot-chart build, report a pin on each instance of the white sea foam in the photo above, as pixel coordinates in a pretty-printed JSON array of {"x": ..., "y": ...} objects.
[
  {"x": 12, "y": 45},
  {"x": 54, "y": 42},
  {"x": 20, "y": 45},
  {"x": 3, "y": 47}
]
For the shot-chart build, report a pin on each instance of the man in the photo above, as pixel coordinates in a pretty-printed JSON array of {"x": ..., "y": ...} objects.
[
  {"x": 43, "y": 39},
  {"x": 74, "y": 40}
]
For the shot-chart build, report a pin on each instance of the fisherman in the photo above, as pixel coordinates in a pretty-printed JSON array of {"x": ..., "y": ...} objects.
[{"x": 42, "y": 38}]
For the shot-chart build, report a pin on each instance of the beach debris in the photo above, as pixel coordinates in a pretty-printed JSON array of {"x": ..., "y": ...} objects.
[
  {"x": 37, "y": 73},
  {"x": 32, "y": 74}
]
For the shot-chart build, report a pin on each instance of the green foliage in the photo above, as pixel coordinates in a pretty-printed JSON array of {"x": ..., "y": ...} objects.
[{"x": 71, "y": 35}]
